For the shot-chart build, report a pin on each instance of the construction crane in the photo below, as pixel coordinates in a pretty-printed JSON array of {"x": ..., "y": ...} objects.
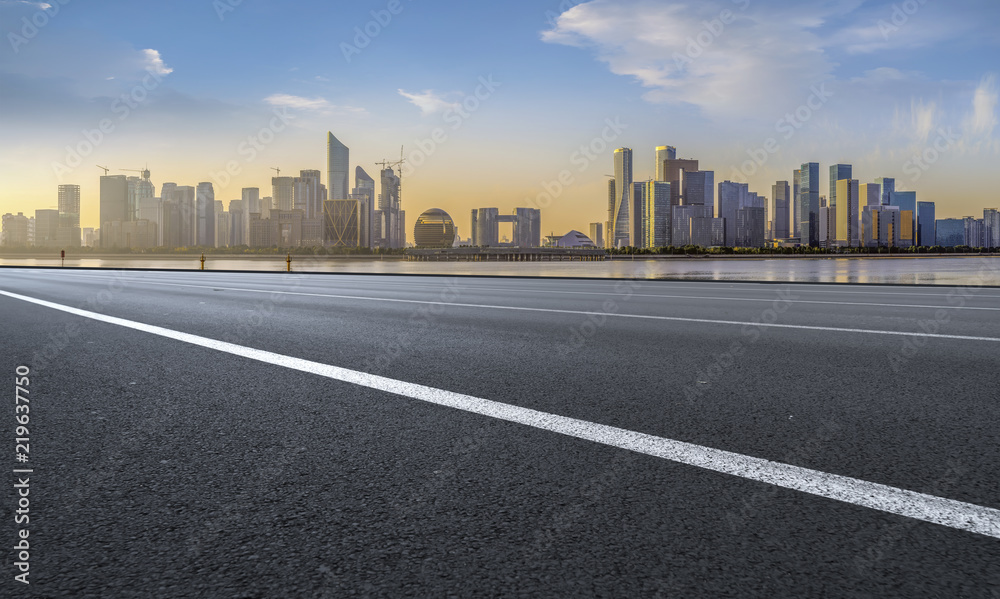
[
  {"x": 386, "y": 164},
  {"x": 144, "y": 171},
  {"x": 277, "y": 170},
  {"x": 106, "y": 169}
]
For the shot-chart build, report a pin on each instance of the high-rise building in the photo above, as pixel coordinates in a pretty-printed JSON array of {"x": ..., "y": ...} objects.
[
  {"x": 205, "y": 220},
  {"x": 364, "y": 192},
  {"x": 237, "y": 223},
  {"x": 15, "y": 230},
  {"x": 46, "y": 228},
  {"x": 781, "y": 193},
  {"x": 697, "y": 188},
  {"x": 732, "y": 196},
  {"x": 637, "y": 222},
  {"x": 527, "y": 227},
  {"x": 926, "y": 224},
  {"x": 342, "y": 226},
  {"x": 672, "y": 169},
  {"x": 609, "y": 229},
  {"x": 621, "y": 232},
  {"x": 338, "y": 167},
  {"x": 485, "y": 227},
  {"x": 139, "y": 188},
  {"x": 750, "y": 226},
  {"x": 808, "y": 205},
  {"x": 151, "y": 210},
  {"x": 837, "y": 172},
  {"x": 991, "y": 227},
  {"x": 796, "y": 222},
  {"x": 283, "y": 193},
  {"x": 597, "y": 234},
  {"x": 394, "y": 231},
  {"x": 888, "y": 187},
  {"x": 846, "y": 214},
  {"x": 663, "y": 153},
  {"x": 307, "y": 195},
  {"x": 251, "y": 205},
  {"x": 655, "y": 214},
  {"x": 114, "y": 202},
  {"x": 69, "y": 202},
  {"x": 906, "y": 200}
]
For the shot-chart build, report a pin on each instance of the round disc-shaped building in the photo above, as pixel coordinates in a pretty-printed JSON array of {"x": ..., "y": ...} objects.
[{"x": 434, "y": 229}]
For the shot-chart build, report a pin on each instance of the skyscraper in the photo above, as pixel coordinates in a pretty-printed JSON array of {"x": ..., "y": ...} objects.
[
  {"x": 663, "y": 153},
  {"x": 306, "y": 193},
  {"x": 655, "y": 214},
  {"x": 283, "y": 192},
  {"x": 847, "y": 216},
  {"x": 205, "y": 231},
  {"x": 837, "y": 172},
  {"x": 337, "y": 166},
  {"x": 781, "y": 192},
  {"x": 796, "y": 187},
  {"x": 926, "y": 224},
  {"x": 392, "y": 215},
  {"x": 251, "y": 205},
  {"x": 808, "y": 204},
  {"x": 237, "y": 226},
  {"x": 609, "y": 228},
  {"x": 527, "y": 227},
  {"x": 69, "y": 202},
  {"x": 114, "y": 202},
  {"x": 732, "y": 196},
  {"x": 623, "y": 197},
  {"x": 672, "y": 169},
  {"x": 637, "y": 222},
  {"x": 597, "y": 234},
  {"x": 888, "y": 186},
  {"x": 697, "y": 188},
  {"x": 364, "y": 192}
]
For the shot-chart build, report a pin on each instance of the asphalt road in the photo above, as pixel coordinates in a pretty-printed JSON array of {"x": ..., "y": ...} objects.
[{"x": 167, "y": 468}]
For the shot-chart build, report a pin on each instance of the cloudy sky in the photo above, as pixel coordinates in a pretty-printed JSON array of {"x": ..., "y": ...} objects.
[{"x": 499, "y": 104}]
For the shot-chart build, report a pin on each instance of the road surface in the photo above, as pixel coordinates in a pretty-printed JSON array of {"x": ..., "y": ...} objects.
[{"x": 264, "y": 435}]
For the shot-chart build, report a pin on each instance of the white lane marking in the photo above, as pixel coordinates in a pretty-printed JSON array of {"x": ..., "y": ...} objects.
[
  {"x": 802, "y": 287},
  {"x": 588, "y": 313},
  {"x": 911, "y": 504}
]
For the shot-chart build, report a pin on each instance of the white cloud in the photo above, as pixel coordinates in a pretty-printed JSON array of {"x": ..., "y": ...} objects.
[
  {"x": 713, "y": 54},
  {"x": 428, "y": 101},
  {"x": 319, "y": 105},
  {"x": 983, "y": 119},
  {"x": 154, "y": 63}
]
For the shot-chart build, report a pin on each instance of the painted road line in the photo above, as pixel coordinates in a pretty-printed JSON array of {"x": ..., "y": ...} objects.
[
  {"x": 928, "y": 508},
  {"x": 591, "y": 313}
]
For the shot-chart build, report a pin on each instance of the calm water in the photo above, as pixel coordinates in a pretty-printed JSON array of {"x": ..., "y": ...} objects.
[{"x": 966, "y": 270}]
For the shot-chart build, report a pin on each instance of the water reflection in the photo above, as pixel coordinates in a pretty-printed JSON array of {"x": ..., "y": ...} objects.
[{"x": 966, "y": 270}]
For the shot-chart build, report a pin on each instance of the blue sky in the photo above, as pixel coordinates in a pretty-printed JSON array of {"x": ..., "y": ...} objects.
[{"x": 714, "y": 78}]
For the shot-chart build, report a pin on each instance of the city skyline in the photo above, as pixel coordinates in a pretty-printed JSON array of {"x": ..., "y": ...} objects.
[{"x": 875, "y": 96}]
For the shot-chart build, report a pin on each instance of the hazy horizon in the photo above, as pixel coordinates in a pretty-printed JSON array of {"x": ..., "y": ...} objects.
[{"x": 883, "y": 81}]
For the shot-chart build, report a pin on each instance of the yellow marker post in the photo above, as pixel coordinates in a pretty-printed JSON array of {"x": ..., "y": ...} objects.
[
  {"x": 289, "y": 261},
  {"x": 203, "y": 261}
]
